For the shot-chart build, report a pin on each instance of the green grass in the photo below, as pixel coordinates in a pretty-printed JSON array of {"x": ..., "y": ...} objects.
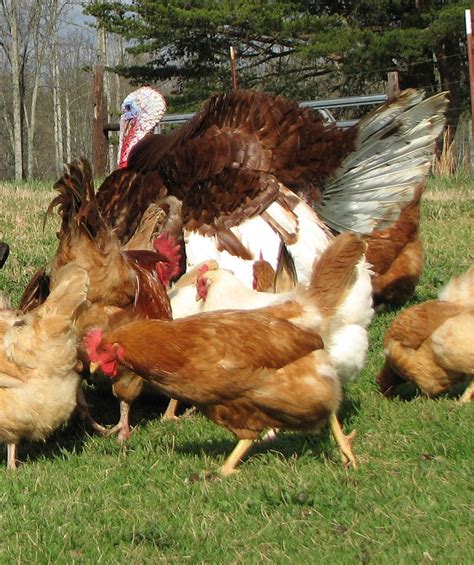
[{"x": 84, "y": 499}]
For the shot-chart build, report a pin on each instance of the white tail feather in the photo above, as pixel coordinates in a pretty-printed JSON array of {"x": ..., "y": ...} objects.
[{"x": 395, "y": 148}]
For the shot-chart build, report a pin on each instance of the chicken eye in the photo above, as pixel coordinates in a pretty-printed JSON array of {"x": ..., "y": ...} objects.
[{"x": 19, "y": 323}]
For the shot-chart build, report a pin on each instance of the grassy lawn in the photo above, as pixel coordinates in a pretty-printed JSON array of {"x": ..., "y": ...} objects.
[{"x": 80, "y": 498}]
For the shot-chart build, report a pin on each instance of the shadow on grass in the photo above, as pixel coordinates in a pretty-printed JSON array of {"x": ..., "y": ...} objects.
[
  {"x": 69, "y": 438},
  {"x": 408, "y": 392},
  {"x": 288, "y": 444},
  {"x": 105, "y": 409}
]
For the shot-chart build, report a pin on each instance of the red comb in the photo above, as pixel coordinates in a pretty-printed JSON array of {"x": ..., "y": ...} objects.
[
  {"x": 166, "y": 244},
  {"x": 169, "y": 248}
]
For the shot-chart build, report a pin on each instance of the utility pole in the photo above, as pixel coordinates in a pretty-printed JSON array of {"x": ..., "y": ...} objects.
[
  {"x": 470, "y": 58},
  {"x": 233, "y": 68}
]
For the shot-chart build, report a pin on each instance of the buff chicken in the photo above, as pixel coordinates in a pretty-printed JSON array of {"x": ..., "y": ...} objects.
[
  {"x": 248, "y": 370},
  {"x": 38, "y": 354},
  {"x": 431, "y": 344}
]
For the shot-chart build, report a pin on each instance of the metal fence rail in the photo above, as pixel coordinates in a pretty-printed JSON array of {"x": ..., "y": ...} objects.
[{"x": 348, "y": 102}]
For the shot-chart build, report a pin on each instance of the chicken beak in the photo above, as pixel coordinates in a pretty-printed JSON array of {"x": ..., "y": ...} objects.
[{"x": 93, "y": 367}]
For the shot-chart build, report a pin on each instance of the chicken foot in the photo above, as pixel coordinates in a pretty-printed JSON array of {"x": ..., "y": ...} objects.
[
  {"x": 468, "y": 394},
  {"x": 240, "y": 450},
  {"x": 343, "y": 441},
  {"x": 85, "y": 415}
]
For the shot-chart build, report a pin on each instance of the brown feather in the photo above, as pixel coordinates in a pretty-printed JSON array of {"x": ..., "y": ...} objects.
[
  {"x": 334, "y": 271},
  {"x": 396, "y": 255},
  {"x": 226, "y": 162},
  {"x": 208, "y": 358}
]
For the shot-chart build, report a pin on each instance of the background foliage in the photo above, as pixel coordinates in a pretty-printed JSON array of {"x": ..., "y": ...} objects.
[{"x": 302, "y": 49}]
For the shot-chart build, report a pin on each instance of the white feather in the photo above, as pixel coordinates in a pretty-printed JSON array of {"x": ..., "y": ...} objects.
[
  {"x": 255, "y": 234},
  {"x": 184, "y": 301},
  {"x": 347, "y": 348},
  {"x": 313, "y": 238}
]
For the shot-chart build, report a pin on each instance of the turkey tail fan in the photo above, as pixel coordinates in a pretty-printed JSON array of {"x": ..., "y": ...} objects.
[{"x": 393, "y": 155}]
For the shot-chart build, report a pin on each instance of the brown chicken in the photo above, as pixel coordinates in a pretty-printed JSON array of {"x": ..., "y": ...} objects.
[
  {"x": 396, "y": 255},
  {"x": 38, "y": 383},
  {"x": 125, "y": 285},
  {"x": 431, "y": 344},
  {"x": 247, "y": 370}
]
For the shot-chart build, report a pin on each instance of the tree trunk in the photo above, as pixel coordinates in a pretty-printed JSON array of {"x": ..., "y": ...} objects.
[
  {"x": 68, "y": 129},
  {"x": 103, "y": 57},
  {"x": 450, "y": 73},
  {"x": 16, "y": 94},
  {"x": 31, "y": 125},
  {"x": 58, "y": 124}
]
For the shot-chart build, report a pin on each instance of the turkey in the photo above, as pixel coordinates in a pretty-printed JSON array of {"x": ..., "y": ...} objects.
[{"x": 257, "y": 175}]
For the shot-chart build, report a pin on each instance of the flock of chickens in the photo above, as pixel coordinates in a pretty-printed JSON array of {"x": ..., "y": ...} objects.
[{"x": 233, "y": 264}]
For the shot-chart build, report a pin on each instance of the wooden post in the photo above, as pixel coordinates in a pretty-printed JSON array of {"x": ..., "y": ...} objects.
[
  {"x": 470, "y": 58},
  {"x": 393, "y": 85},
  {"x": 233, "y": 68},
  {"x": 99, "y": 139}
]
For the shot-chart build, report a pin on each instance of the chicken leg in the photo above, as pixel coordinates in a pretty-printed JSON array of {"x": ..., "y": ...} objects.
[
  {"x": 240, "y": 450},
  {"x": 344, "y": 442},
  {"x": 11, "y": 456},
  {"x": 468, "y": 394},
  {"x": 85, "y": 415},
  {"x": 170, "y": 412},
  {"x": 123, "y": 425}
]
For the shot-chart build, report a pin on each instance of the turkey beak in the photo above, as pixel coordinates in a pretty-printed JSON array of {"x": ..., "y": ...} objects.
[
  {"x": 128, "y": 127},
  {"x": 93, "y": 367}
]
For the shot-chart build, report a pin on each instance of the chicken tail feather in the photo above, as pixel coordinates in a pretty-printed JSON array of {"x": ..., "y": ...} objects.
[
  {"x": 460, "y": 290},
  {"x": 76, "y": 201},
  {"x": 69, "y": 293},
  {"x": 335, "y": 273}
]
